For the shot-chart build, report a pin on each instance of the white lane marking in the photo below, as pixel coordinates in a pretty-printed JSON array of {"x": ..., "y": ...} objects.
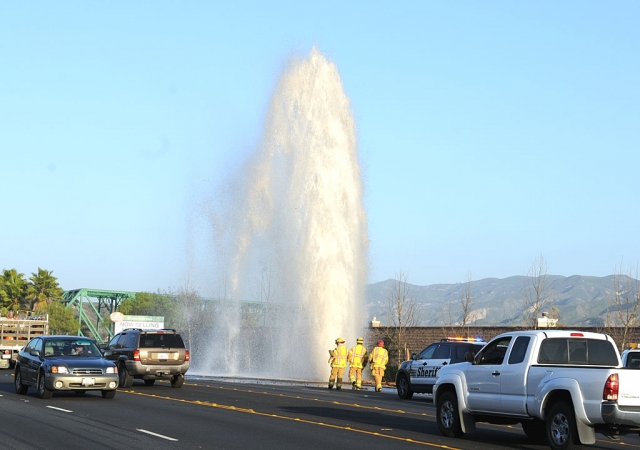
[
  {"x": 156, "y": 434},
  {"x": 59, "y": 409}
]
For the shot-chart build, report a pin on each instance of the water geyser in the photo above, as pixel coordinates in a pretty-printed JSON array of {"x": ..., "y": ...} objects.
[{"x": 290, "y": 233}]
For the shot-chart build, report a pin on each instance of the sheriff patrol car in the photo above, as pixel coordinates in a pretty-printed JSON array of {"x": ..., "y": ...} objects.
[{"x": 418, "y": 375}]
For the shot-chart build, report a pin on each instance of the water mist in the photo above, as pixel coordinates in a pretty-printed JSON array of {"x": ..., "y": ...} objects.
[{"x": 290, "y": 233}]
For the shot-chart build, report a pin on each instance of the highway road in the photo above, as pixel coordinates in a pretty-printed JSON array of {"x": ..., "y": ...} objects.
[{"x": 217, "y": 414}]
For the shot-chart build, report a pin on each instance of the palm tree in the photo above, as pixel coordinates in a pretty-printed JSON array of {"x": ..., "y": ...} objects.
[
  {"x": 13, "y": 285},
  {"x": 43, "y": 289}
]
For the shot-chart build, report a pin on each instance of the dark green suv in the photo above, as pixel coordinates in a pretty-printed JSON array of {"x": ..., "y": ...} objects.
[{"x": 149, "y": 355}]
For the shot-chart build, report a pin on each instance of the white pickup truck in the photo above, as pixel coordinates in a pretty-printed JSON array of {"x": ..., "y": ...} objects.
[{"x": 562, "y": 386}]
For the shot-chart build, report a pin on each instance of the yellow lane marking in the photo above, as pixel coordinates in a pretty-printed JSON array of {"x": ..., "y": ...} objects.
[
  {"x": 298, "y": 397},
  {"x": 377, "y": 408},
  {"x": 295, "y": 419}
]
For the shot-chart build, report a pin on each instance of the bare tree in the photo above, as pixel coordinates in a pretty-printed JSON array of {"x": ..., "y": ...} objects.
[
  {"x": 537, "y": 292},
  {"x": 466, "y": 303},
  {"x": 402, "y": 312},
  {"x": 622, "y": 314},
  {"x": 190, "y": 310},
  {"x": 460, "y": 325}
]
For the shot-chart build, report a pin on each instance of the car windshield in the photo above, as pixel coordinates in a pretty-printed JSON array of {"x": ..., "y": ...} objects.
[{"x": 70, "y": 348}]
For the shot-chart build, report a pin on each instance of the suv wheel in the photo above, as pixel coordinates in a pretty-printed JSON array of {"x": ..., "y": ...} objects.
[
  {"x": 404, "y": 391},
  {"x": 125, "y": 380},
  {"x": 177, "y": 381}
]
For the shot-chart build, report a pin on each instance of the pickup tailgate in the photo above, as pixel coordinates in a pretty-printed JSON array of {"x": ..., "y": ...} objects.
[{"x": 629, "y": 387}]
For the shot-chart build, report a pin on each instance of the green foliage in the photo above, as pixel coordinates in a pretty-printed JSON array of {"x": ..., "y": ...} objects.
[
  {"x": 151, "y": 304},
  {"x": 17, "y": 293},
  {"x": 61, "y": 320},
  {"x": 13, "y": 289},
  {"x": 42, "y": 290}
]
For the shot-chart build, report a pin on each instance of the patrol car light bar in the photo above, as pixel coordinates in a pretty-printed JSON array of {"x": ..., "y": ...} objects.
[{"x": 462, "y": 339}]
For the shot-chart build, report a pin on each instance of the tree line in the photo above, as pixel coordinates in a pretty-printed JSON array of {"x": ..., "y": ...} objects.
[
  {"x": 621, "y": 316},
  {"x": 39, "y": 294}
]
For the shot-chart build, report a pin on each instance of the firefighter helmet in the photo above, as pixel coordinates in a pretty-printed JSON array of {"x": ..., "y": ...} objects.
[
  {"x": 339, "y": 341},
  {"x": 380, "y": 343},
  {"x": 359, "y": 340}
]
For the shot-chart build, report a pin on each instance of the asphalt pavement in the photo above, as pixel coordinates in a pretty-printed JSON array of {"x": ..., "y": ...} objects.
[{"x": 208, "y": 413}]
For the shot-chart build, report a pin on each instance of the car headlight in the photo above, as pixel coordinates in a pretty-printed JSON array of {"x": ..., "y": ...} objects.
[
  {"x": 111, "y": 370},
  {"x": 59, "y": 369}
]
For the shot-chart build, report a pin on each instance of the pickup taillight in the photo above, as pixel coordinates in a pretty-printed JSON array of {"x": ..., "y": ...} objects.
[
  {"x": 610, "y": 391},
  {"x": 187, "y": 356},
  {"x": 136, "y": 355}
]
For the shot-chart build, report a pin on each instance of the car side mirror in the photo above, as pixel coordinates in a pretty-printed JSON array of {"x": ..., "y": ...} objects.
[
  {"x": 34, "y": 352},
  {"x": 469, "y": 356},
  {"x": 414, "y": 356}
]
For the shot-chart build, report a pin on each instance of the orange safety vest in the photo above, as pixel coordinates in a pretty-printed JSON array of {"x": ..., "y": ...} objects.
[
  {"x": 379, "y": 357},
  {"x": 356, "y": 356},
  {"x": 339, "y": 358}
]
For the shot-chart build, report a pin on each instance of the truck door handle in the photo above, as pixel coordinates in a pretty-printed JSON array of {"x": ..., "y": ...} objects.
[
  {"x": 495, "y": 373},
  {"x": 444, "y": 363}
]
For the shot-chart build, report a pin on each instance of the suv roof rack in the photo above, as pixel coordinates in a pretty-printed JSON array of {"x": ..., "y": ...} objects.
[{"x": 152, "y": 330}]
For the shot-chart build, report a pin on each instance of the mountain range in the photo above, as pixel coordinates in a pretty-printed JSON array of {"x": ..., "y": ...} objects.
[{"x": 580, "y": 300}]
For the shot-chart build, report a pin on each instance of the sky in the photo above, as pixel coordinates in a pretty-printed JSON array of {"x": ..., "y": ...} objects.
[{"x": 489, "y": 134}]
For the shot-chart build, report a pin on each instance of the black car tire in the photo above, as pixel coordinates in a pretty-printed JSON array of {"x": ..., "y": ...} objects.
[
  {"x": 535, "y": 430},
  {"x": 403, "y": 387},
  {"x": 149, "y": 382},
  {"x": 125, "y": 380},
  {"x": 109, "y": 394},
  {"x": 43, "y": 392},
  {"x": 20, "y": 388},
  {"x": 177, "y": 381},
  {"x": 562, "y": 431},
  {"x": 448, "y": 415}
]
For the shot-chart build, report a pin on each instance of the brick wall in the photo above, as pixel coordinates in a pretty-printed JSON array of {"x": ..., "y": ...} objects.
[{"x": 419, "y": 337}]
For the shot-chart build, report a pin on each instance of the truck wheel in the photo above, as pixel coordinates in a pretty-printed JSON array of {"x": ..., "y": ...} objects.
[
  {"x": 404, "y": 391},
  {"x": 448, "y": 416},
  {"x": 125, "y": 380},
  {"x": 43, "y": 392},
  {"x": 534, "y": 429},
  {"x": 20, "y": 388},
  {"x": 177, "y": 381},
  {"x": 562, "y": 432}
]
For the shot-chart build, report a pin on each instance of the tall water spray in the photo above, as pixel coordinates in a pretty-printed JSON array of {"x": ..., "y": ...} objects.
[{"x": 291, "y": 236}]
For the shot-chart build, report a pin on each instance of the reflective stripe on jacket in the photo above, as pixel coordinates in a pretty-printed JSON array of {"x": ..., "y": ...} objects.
[
  {"x": 379, "y": 357},
  {"x": 339, "y": 357},
  {"x": 357, "y": 355}
]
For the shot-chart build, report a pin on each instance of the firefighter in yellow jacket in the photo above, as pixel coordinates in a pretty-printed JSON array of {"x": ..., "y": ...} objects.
[
  {"x": 378, "y": 359},
  {"x": 338, "y": 361},
  {"x": 357, "y": 358}
]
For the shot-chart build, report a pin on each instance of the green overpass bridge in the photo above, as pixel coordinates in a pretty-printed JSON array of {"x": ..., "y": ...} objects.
[{"x": 94, "y": 306}]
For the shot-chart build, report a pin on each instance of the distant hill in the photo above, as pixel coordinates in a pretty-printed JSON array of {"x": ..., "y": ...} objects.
[{"x": 581, "y": 300}]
